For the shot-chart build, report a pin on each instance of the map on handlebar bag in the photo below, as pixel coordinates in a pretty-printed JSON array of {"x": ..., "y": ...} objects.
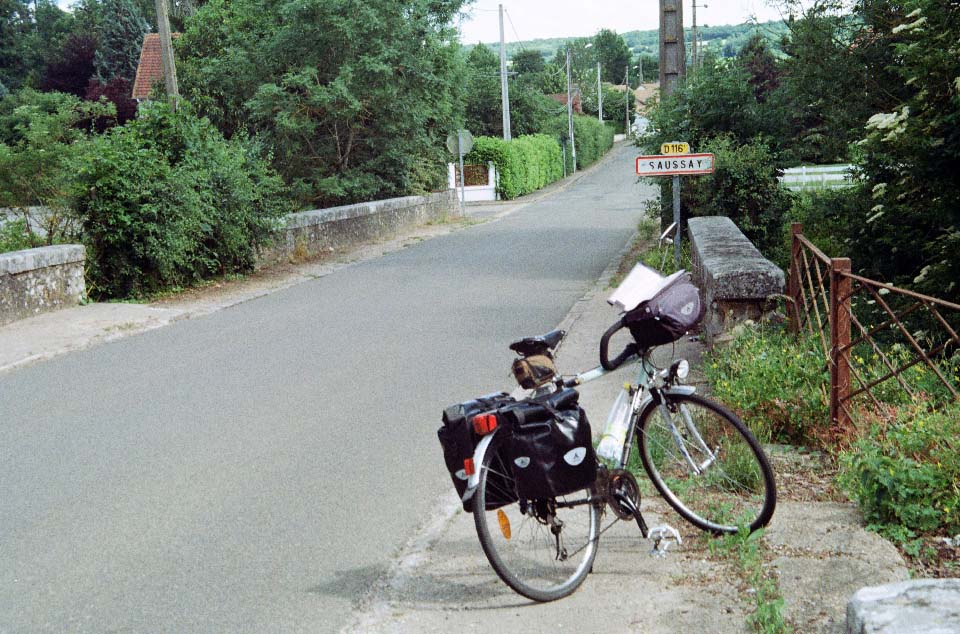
[{"x": 641, "y": 285}]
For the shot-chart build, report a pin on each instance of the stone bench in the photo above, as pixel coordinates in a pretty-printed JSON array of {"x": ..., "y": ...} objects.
[
  {"x": 736, "y": 281},
  {"x": 38, "y": 280}
]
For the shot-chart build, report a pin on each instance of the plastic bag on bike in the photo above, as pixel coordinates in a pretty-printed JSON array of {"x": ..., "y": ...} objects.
[
  {"x": 458, "y": 440},
  {"x": 552, "y": 446}
]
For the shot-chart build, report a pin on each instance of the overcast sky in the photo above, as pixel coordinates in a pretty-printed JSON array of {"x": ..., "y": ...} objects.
[{"x": 534, "y": 19}]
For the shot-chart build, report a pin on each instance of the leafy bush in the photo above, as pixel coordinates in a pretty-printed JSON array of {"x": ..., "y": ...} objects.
[
  {"x": 524, "y": 164},
  {"x": 905, "y": 475},
  {"x": 774, "y": 382},
  {"x": 744, "y": 187},
  {"x": 165, "y": 201},
  {"x": 40, "y": 135},
  {"x": 14, "y": 236}
]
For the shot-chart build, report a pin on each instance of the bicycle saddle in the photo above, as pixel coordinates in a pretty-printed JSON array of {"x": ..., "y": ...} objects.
[{"x": 538, "y": 345}]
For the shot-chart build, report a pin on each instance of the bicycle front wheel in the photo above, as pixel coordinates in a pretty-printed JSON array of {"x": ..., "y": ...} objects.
[
  {"x": 706, "y": 464},
  {"x": 542, "y": 549}
]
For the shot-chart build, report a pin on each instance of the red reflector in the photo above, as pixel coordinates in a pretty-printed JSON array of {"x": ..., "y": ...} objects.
[
  {"x": 468, "y": 467},
  {"x": 484, "y": 423}
]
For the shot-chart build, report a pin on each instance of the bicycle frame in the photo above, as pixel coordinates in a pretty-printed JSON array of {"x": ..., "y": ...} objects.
[{"x": 650, "y": 385}]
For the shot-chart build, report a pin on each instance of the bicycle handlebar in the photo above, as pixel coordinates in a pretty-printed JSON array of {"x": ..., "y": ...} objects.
[{"x": 629, "y": 351}]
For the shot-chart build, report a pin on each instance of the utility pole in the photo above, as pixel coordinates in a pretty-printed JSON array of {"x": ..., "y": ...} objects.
[
  {"x": 504, "y": 89},
  {"x": 640, "y": 66},
  {"x": 599, "y": 95},
  {"x": 673, "y": 58},
  {"x": 573, "y": 145},
  {"x": 697, "y": 41},
  {"x": 166, "y": 52},
  {"x": 626, "y": 101},
  {"x": 694, "y": 33}
]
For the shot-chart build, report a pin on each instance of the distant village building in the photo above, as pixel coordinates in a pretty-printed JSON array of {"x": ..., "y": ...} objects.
[
  {"x": 562, "y": 98},
  {"x": 150, "y": 68}
]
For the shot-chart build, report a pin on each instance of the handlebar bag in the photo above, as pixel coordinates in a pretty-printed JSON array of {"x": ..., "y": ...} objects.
[
  {"x": 458, "y": 440},
  {"x": 667, "y": 316},
  {"x": 552, "y": 446}
]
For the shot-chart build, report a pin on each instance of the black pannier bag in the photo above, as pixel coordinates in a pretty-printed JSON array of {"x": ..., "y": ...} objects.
[
  {"x": 458, "y": 441},
  {"x": 552, "y": 447},
  {"x": 667, "y": 316}
]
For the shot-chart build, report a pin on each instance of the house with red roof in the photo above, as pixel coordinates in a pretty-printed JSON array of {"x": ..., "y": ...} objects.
[{"x": 150, "y": 68}]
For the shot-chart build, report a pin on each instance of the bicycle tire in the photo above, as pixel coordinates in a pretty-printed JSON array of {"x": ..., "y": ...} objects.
[
  {"x": 523, "y": 551},
  {"x": 736, "y": 488}
]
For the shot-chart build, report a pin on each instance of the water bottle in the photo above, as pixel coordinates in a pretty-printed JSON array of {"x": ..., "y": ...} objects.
[{"x": 615, "y": 429}]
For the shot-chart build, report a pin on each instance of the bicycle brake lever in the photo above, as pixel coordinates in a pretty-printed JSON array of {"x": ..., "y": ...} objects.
[{"x": 661, "y": 536}]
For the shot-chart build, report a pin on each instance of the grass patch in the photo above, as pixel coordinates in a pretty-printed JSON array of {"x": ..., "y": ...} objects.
[{"x": 745, "y": 552}]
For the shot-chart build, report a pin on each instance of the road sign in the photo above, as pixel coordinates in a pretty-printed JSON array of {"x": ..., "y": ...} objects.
[
  {"x": 465, "y": 145},
  {"x": 675, "y": 164},
  {"x": 674, "y": 148}
]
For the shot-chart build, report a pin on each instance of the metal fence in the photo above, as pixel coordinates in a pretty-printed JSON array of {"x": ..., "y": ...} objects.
[
  {"x": 876, "y": 338},
  {"x": 817, "y": 177}
]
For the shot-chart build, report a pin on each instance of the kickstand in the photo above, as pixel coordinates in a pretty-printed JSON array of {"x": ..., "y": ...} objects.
[{"x": 627, "y": 504}]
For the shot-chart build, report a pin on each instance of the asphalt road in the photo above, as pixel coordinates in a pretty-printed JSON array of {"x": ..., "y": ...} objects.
[{"x": 255, "y": 470}]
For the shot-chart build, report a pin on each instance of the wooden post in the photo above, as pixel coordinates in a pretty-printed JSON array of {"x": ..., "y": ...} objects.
[
  {"x": 840, "y": 286},
  {"x": 793, "y": 280}
]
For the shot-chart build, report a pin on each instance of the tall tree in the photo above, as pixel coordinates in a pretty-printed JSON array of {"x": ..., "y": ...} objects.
[
  {"x": 15, "y": 26},
  {"x": 613, "y": 54},
  {"x": 353, "y": 97},
  {"x": 120, "y": 38}
]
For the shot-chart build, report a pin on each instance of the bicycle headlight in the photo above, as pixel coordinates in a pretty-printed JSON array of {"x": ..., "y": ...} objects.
[{"x": 680, "y": 369}]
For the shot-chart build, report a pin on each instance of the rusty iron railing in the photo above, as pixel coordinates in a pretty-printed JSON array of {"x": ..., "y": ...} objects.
[{"x": 899, "y": 328}]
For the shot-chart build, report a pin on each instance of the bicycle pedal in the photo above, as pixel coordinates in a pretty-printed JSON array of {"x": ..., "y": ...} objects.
[{"x": 662, "y": 536}]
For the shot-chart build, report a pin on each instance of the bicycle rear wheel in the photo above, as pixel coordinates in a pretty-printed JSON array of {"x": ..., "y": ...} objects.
[
  {"x": 542, "y": 549},
  {"x": 729, "y": 483}
]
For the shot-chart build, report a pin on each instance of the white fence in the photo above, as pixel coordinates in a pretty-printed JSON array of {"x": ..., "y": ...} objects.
[{"x": 817, "y": 177}]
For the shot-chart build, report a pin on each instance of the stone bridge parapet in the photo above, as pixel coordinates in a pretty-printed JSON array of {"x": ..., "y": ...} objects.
[
  {"x": 38, "y": 280},
  {"x": 736, "y": 281}
]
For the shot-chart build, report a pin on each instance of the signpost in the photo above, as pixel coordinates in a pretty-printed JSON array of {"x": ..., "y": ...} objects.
[
  {"x": 676, "y": 161},
  {"x": 460, "y": 143}
]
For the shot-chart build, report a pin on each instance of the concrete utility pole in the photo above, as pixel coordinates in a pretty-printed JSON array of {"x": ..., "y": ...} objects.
[
  {"x": 504, "y": 88},
  {"x": 599, "y": 95},
  {"x": 626, "y": 101},
  {"x": 697, "y": 41},
  {"x": 166, "y": 51},
  {"x": 573, "y": 145},
  {"x": 673, "y": 55}
]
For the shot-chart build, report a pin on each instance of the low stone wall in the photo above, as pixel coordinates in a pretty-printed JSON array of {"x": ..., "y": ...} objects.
[
  {"x": 736, "y": 281},
  {"x": 38, "y": 280},
  {"x": 309, "y": 233},
  {"x": 48, "y": 278}
]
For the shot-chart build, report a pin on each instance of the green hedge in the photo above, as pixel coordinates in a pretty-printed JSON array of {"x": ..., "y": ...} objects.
[
  {"x": 524, "y": 164},
  {"x": 593, "y": 138}
]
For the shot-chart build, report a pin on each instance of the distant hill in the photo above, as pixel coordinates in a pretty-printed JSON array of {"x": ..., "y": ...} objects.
[{"x": 727, "y": 39}]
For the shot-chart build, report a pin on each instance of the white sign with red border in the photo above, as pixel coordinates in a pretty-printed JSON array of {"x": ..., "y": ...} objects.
[{"x": 675, "y": 164}]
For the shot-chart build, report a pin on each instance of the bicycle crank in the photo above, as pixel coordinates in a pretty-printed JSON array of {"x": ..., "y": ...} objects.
[{"x": 621, "y": 482}]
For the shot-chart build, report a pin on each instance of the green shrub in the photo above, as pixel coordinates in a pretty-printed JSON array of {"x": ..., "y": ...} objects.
[
  {"x": 15, "y": 237},
  {"x": 774, "y": 382},
  {"x": 524, "y": 164},
  {"x": 744, "y": 187},
  {"x": 165, "y": 201},
  {"x": 906, "y": 475}
]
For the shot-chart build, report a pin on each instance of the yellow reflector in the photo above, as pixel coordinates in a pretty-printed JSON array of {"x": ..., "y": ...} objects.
[{"x": 504, "y": 523}]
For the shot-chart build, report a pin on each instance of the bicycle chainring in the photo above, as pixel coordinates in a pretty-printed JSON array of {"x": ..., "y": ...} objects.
[{"x": 622, "y": 481}]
